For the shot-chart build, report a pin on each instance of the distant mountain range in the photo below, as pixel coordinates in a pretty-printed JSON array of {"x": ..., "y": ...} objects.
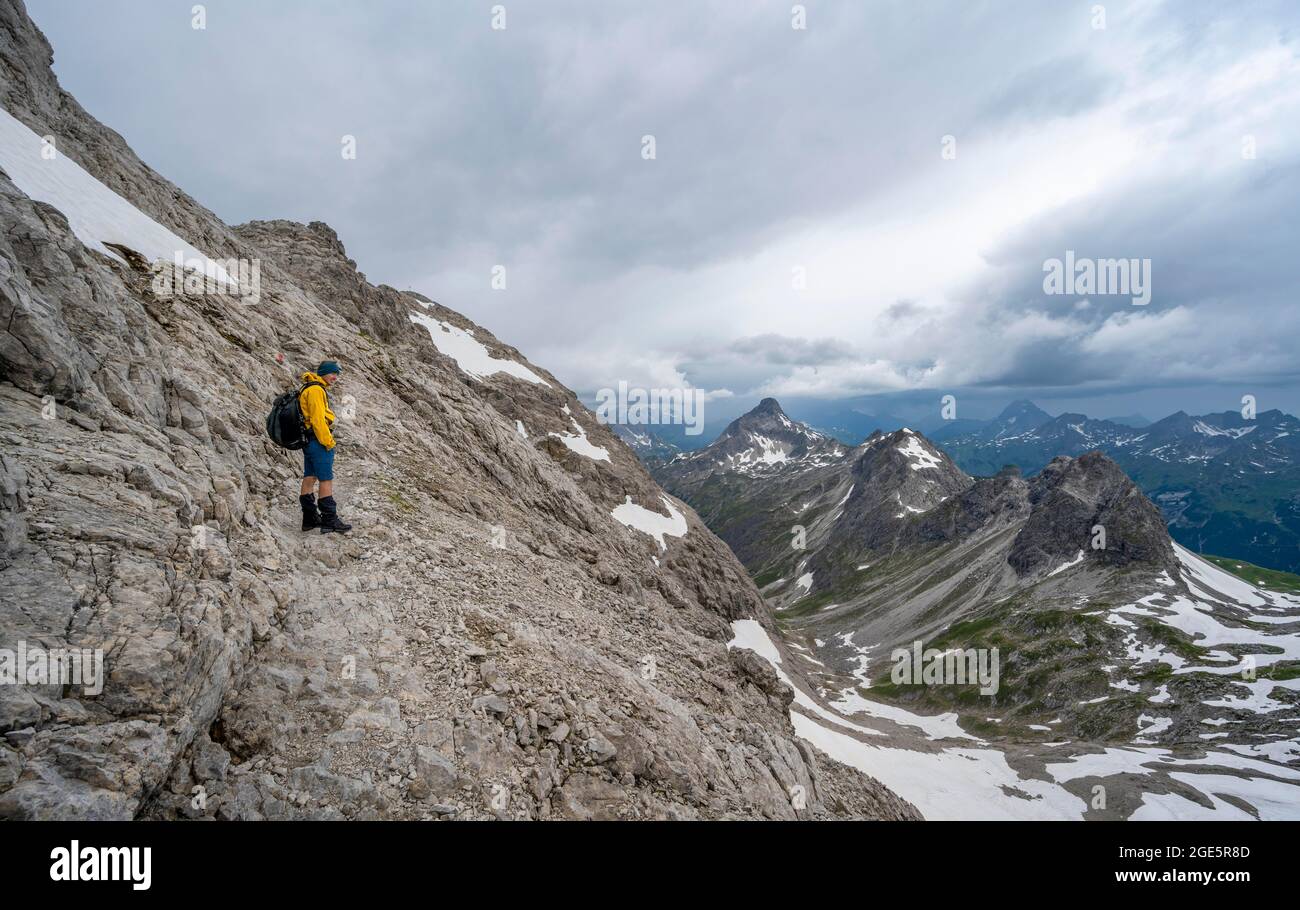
[
  {"x": 1131, "y": 420},
  {"x": 1226, "y": 484},
  {"x": 647, "y": 444},
  {"x": 862, "y": 550}
]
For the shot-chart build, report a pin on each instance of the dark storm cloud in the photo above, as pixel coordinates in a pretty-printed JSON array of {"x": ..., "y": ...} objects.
[
  {"x": 782, "y": 349},
  {"x": 775, "y": 149}
]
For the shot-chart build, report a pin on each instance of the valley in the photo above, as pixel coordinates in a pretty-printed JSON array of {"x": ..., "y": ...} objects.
[{"x": 1136, "y": 667}]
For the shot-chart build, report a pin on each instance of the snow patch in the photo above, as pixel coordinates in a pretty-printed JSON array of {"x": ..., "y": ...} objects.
[
  {"x": 770, "y": 451},
  {"x": 1149, "y": 726},
  {"x": 920, "y": 457},
  {"x": 577, "y": 441},
  {"x": 657, "y": 526},
  {"x": 1234, "y": 432},
  {"x": 470, "y": 354},
  {"x": 1068, "y": 565}
]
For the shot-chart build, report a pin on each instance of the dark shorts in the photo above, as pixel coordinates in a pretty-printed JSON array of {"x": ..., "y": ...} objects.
[{"x": 317, "y": 461}]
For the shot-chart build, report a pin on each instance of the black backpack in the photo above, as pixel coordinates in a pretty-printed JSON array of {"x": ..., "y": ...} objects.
[{"x": 285, "y": 424}]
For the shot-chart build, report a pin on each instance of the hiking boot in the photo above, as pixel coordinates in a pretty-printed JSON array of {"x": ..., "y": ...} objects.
[
  {"x": 329, "y": 517},
  {"x": 310, "y": 516}
]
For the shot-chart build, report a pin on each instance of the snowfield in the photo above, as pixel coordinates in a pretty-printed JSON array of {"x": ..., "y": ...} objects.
[
  {"x": 96, "y": 214},
  {"x": 949, "y": 774},
  {"x": 955, "y": 783},
  {"x": 470, "y": 354}
]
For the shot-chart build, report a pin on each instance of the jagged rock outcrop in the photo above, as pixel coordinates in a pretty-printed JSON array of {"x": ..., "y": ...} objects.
[
  {"x": 1075, "y": 501},
  {"x": 497, "y": 639},
  {"x": 314, "y": 257}
]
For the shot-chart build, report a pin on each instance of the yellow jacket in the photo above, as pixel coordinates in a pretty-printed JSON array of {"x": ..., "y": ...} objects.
[{"x": 316, "y": 411}]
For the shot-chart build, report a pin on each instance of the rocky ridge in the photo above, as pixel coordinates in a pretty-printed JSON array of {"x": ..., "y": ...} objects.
[{"x": 492, "y": 642}]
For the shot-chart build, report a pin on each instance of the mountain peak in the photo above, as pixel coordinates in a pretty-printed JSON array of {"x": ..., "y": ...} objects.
[
  {"x": 766, "y": 406},
  {"x": 768, "y": 418},
  {"x": 762, "y": 439},
  {"x": 1072, "y": 497},
  {"x": 1024, "y": 412},
  {"x": 905, "y": 447}
]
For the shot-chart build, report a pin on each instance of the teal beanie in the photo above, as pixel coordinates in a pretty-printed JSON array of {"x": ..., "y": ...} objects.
[{"x": 329, "y": 366}]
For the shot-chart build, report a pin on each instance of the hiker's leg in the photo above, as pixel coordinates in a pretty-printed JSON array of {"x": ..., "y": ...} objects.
[
  {"x": 329, "y": 516},
  {"x": 308, "y": 471},
  {"x": 318, "y": 466},
  {"x": 310, "y": 514}
]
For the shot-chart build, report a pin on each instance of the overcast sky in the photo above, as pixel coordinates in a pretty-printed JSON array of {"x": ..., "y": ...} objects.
[{"x": 779, "y": 153}]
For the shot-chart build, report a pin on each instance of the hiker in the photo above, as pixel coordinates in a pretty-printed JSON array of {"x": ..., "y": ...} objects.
[{"x": 318, "y": 456}]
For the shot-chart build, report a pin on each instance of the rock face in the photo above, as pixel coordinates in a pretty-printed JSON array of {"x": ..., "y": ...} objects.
[
  {"x": 490, "y": 642},
  {"x": 1073, "y": 496}
]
